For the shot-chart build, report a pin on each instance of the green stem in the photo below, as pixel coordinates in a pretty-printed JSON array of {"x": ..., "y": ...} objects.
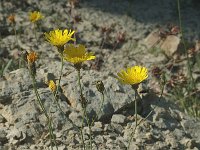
[
  {"x": 185, "y": 47},
  {"x": 89, "y": 126},
  {"x": 84, "y": 109},
  {"x": 81, "y": 131},
  {"x": 142, "y": 120},
  {"x": 56, "y": 101},
  {"x": 34, "y": 28},
  {"x": 15, "y": 32},
  {"x": 79, "y": 81},
  {"x": 136, "y": 123},
  {"x": 90, "y": 132},
  {"x": 135, "y": 107},
  {"x": 61, "y": 70},
  {"x": 43, "y": 110}
]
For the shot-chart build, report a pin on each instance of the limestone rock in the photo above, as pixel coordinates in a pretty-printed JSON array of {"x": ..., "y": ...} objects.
[
  {"x": 170, "y": 45},
  {"x": 152, "y": 39}
]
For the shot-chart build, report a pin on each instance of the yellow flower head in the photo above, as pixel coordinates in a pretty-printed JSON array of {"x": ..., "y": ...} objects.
[
  {"x": 52, "y": 86},
  {"x": 133, "y": 75},
  {"x": 35, "y": 16},
  {"x": 31, "y": 57},
  {"x": 59, "y": 37},
  {"x": 77, "y": 54}
]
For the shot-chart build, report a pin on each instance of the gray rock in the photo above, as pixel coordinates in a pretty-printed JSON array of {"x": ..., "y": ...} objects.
[
  {"x": 76, "y": 118},
  {"x": 96, "y": 130},
  {"x": 164, "y": 128},
  {"x": 2, "y": 119},
  {"x": 191, "y": 127},
  {"x": 113, "y": 89},
  {"x": 118, "y": 118},
  {"x": 3, "y": 135}
]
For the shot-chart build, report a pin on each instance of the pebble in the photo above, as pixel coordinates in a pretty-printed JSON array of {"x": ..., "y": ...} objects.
[{"x": 118, "y": 118}]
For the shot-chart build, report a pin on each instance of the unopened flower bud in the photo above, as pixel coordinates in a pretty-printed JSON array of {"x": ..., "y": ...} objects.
[
  {"x": 100, "y": 86},
  {"x": 31, "y": 57},
  {"x": 11, "y": 19},
  {"x": 52, "y": 85}
]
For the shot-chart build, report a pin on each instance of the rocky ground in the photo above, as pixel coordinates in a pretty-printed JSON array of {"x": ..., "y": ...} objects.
[{"x": 22, "y": 124}]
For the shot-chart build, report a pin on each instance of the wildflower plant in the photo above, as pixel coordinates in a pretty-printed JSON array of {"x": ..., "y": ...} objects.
[
  {"x": 59, "y": 38},
  {"x": 77, "y": 55},
  {"x": 30, "y": 58},
  {"x": 133, "y": 76},
  {"x": 35, "y": 17},
  {"x": 52, "y": 86}
]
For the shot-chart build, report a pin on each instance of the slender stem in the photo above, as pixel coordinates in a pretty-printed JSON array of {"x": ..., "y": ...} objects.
[
  {"x": 34, "y": 28},
  {"x": 49, "y": 127},
  {"x": 136, "y": 123},
  {"x": 90, "y": 130},
  {"x": 56, "y": 101},
  {"x": 82, "y": 137},
  {"x": 84, "y": 105},
  {"x": 15, "y": 32},
  {"x": 102, "y": 43},
  {"x": 142, "y": 120},
  {"x": 79, "y": 81},
  {"x": 135, "y": 107},
  {"x": 185, "y": 47},
  {"x": 43, "y": 110},
  {"x": 84, "y": 109},
  {"x": 61, "y": 70}
]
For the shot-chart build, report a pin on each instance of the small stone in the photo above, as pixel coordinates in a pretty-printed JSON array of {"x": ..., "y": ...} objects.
[
  {"x": 63, "y": 147},
  {"x": 99, "y": 139},
  {"x": 152, "y": 39},
  {"x": 96, "y": 130},
  {"x": 86, "y": 130},
  {"x": 98, "y": 124},
  {"x": 170, "y": 45},
  {"x": 190, "y": 143},
  {"x": 108, "y": 127},
  {"x": 76, "y": 118},
  {"x": 2, "y": 119},
  {"x": 117, "y": 128},
  {"x": 118, "y": 118},
  {"x": 3, "y": 134},
  {"x": 33, "y": 147}
]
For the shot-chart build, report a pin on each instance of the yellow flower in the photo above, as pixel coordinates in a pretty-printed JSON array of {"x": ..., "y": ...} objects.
[
  {"x": 35, "y": 16},
  {"x": 133, "y": 75},
  {"x": 59, "y": 37},
  {"x": 31, "y": 57},
  {"x": 77, "y": 54},
  {"x": 52, "y": 86}
]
